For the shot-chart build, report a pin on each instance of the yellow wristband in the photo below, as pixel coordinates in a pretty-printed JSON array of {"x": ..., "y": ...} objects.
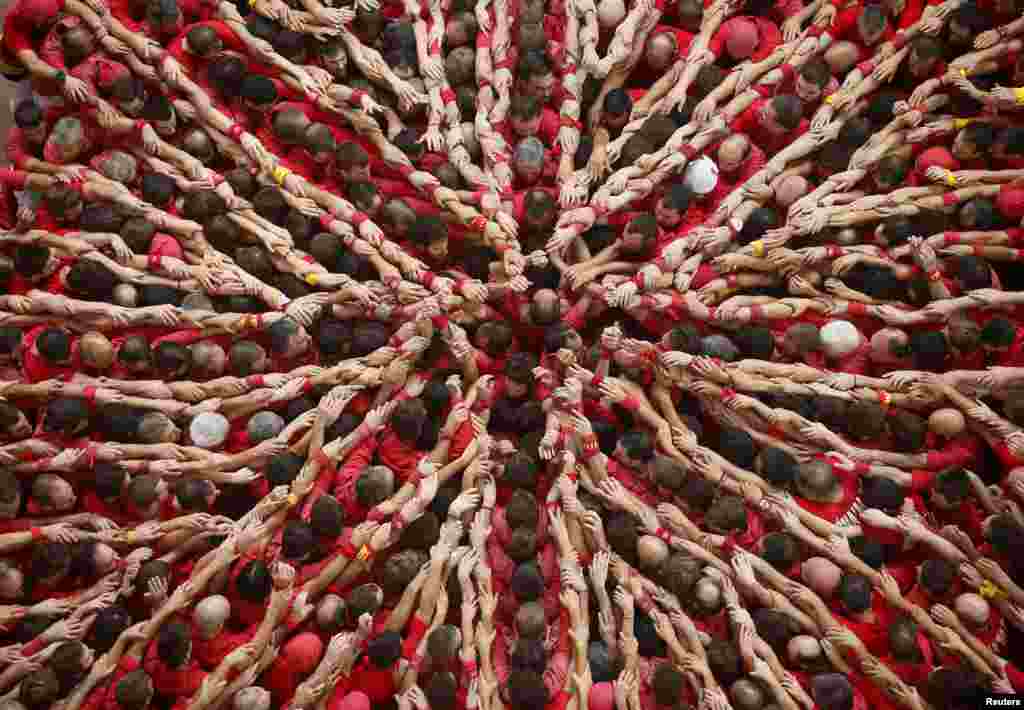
[
  {"x": 280, "y": 173},
  {"x": 830, "y": 99},
  {"x": 364, "y": 553},
  {"x": 989, "y": 590},
  {"x": 312, "y": 279},
  {"x": 1019, "y": 94},
  {"x": 884, "y": 399},
  {"x": 950, "y": 178},
  {"x": 293, "y": 500},
  {"x": 129, "y": 537},
  {"x": 961, "y": 123},
  {"x": 758, "y": 246}
]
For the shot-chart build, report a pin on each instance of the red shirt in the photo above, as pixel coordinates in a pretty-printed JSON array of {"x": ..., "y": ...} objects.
[
  {"x": 210, "y": 652},
  {"x": 749, "y": 122},
  {"x": 849, "y": 482},
  {"x": 25, "y": 20},
  {"x": 34, "y": 365},
  {"x": 103, "y": 697},
  {"x": 400, "y": 457},
  {"x": 243, "y": 611},
  {"x": 183, "y": 681},
  {"x": 190, "y": 62}
]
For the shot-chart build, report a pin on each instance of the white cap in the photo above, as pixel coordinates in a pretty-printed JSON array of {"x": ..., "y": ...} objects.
[
  {"x": 839, "y": 338},
  {"x": 701, "y": 175},
  {"x": 209, "y": 430}
]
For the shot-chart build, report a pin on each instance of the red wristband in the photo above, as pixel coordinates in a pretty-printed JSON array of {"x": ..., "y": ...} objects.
[
  {"x": 356, "y": 98},
  {"x": 788, "y": 72},
  {"x": 732, "y": 280},
  {"x": 37, "y": 533},
  {"x": 630, "y": 404},
  {"x": 756, "y": 311},
  {"x": 255, "y": 381},
  {"x": 950, "y": 199},
  {"x": 439, "y": 322},
  {"x": 834, "y": 252},
  {"x": 663, "y": 534},
  {"x": 949, "y": 238},
  {"x": 728, "y": 394},
  {"x": 428, "y": 278},
  {"x": 235, "y": 131},
  {"x": 506, "y": 63},
  {"x": 866, "y": 68},
  {"x": 307, "y": 385},
  {"x": 90, "y": 394},
  {"x": 448, "y": 96},
  {"x": 478, "y": 224},
  {"x": 326, "y": 220},
  {"x": 153, "y": 262},
  {"x": 856, "y": 308},
  {"x": 899, "y": 41},
  {"x": 689, "y": 151},
  {"x": 140, "y": 126},
  {"x": 358, "y": 218}
]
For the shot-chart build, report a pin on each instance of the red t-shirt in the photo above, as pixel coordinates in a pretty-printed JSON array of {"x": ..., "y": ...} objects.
[
  {"x": 183, "y": 681},
  {"x": 27, "y": 21},
  {"x": 749, "y": 122},
  {"x": 103, "y": 697}
]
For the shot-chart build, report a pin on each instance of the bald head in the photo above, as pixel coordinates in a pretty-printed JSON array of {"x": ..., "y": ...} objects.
[
  {"x": 544, "y": 309},
  {"x": 803, "y": 649},
  {"x": 708, "y": 593},
  {"x": 97, "y": 352},
  {"x": 733, "y": 152},
  {"x": 651, "y": 551},
  {"x": 746, "y": 695},
  {"x": 821, "y": 575},
  {"x": 211, "y": 614},
  {"x": 208, "y": 359},
  {"x": 610, "y": 13},
  {"x": 252, "y": 698},
  {"x": 887, "y": 345},
  {"x": 126, "y": 295},
  {"x": 330, "y": 613},
  {"x": 530, "y": 620},
  {"x": 661, "y": 50},
  {"x": 947, "y": 422},
  {"x": 840, "y": 338},
  {"x": 973, "y": 609}
]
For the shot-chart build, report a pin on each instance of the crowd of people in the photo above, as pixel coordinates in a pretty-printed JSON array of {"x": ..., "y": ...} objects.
[{"x": 512, "y": 355}]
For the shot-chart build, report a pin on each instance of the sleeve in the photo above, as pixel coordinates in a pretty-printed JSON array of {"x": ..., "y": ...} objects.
[
  {"x": 500, "y": 563},
  {"x": 181, "y": 337},
  {"x": 52, "y": 51},
  {"x": 958, "y": 452},
  {"x": 1015, "y": 676},
  {"x": 845, "y": 23},
  {"x": 16, "y": 152},
  {"x": 560, "y": 701},
  {"x": 555, "y": 673},
  {"x": 746, "y": 122},
  {"x": 755, "y": 162},
  {"x": 417, "y": 630},
  {"x": 17, "y": 36},
  {"x": 356, "y": 462},
  {"x": 717, "y": 43}
]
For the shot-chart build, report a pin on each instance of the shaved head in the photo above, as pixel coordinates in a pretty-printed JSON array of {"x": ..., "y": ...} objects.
[
  {"x": 210, "y": 615},
  {"x": 661, "y": 50},
  {"x": 973, "y": 609},
  {"x": 97, "y": 352},
  {"x": 208, "y": 359},
  {"x": 732, "y": 152},
  {"x": 821, "y": 575},
  {"x": 651, "y": 551}
]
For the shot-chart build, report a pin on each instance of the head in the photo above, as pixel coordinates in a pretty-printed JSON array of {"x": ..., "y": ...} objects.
[
  {"x": 973, "y": 141},
  {"x": 972, "y": 609},
  {"x": 782, "y": 114},
  {"x": 210, "y": 615},
  {"x": 375, "y": 485},
  {"x": 288, "y": 339},
  {"x": 832, "y": 691},
  {"x": 661, "y": 50},
  {"x": 252, "y": 698},
  {"x": 528, "y": 160},
  {"x": 821, "y": 575},
  {"x": 670, "y": 209},
  {"x": 52, "y": 493}
]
